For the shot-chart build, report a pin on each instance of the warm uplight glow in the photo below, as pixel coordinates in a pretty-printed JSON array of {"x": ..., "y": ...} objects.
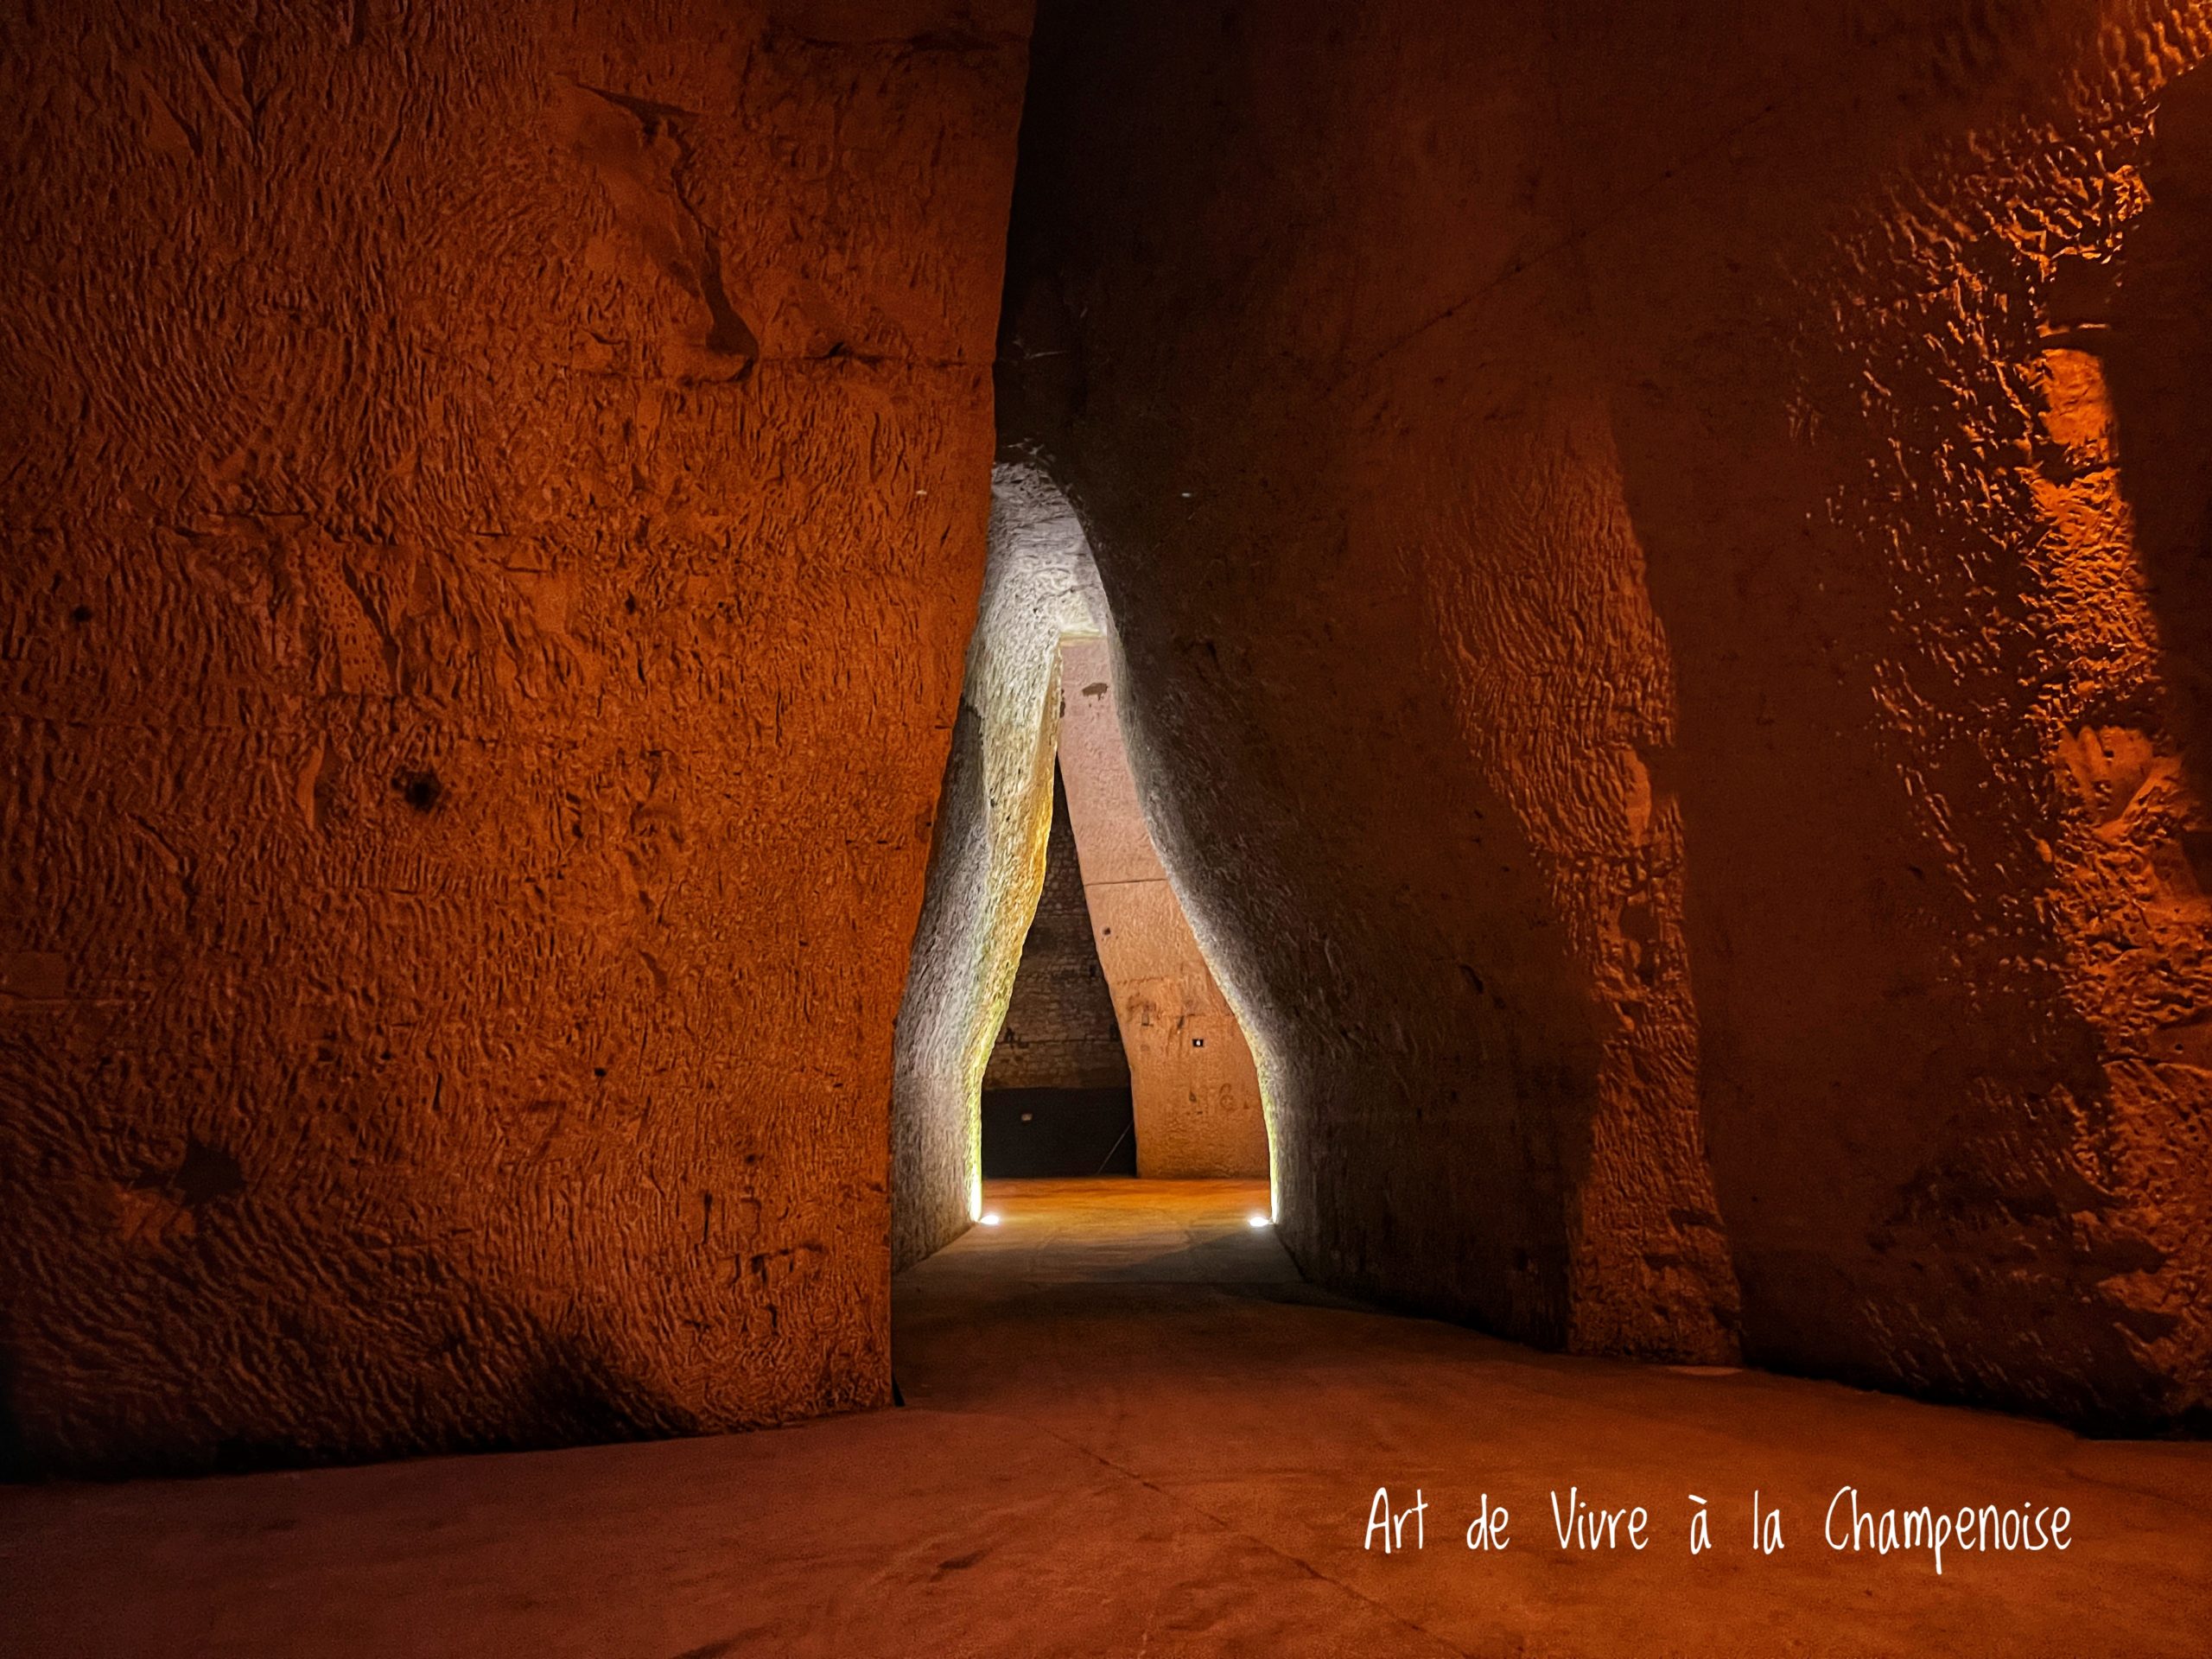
[
  {"x": 1258, "y": 1221},
  {"x": 990, "y": 1219}
]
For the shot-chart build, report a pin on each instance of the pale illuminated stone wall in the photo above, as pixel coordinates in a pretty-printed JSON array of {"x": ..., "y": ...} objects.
[{"x": 1197, "y": 1092}]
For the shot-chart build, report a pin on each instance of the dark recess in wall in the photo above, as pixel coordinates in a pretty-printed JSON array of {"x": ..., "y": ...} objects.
[
  {"x": 1033, "y": 1132},
  {"x": 1056, "y": 1093},
  {"x": 1060, "y": 1031}
]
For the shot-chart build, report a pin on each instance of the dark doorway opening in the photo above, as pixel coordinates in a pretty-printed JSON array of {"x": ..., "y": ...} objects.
[
  {"x": 1030, "y": 1131},
  {"x": 1056, "y": 1092}
]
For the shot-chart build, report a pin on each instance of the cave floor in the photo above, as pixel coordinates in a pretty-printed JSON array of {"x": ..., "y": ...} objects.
[{"x": 1130, "y": 1429}]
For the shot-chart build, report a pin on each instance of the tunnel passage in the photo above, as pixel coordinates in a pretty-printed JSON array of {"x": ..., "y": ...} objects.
[
  {"x": 1039, "y": 689},
  {"x": 1056, "y": 1091},
  {"x": 1667, "y": 651}
]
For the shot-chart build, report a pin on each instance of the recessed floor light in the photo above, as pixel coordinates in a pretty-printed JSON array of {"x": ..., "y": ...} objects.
[
  {"x": 1256, "y": 1221},
  {"x": 989, "y": 1219}
]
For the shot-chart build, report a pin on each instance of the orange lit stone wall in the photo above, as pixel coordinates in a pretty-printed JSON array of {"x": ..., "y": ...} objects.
[
  {"x": 494, "y": 504},
  {"x": 1659, "y": 554}
]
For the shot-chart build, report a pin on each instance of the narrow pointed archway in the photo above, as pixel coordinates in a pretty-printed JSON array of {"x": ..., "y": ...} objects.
[{"x": 1038, "y": 688}]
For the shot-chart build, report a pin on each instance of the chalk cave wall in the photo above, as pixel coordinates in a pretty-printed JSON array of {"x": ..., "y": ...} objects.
[
  {"x": 1659, "y": 552},
  {"x": 494, "y": 507},
  {"x": 1195, "y": 1091}
]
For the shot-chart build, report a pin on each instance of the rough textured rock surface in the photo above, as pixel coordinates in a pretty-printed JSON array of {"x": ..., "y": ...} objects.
[
  {"x": 494, "y": 499},
  {"x": 1195, "y": 1092},
  {"x": 1060, "y": 1031},
  {"x": 1670, "y": 648}
]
